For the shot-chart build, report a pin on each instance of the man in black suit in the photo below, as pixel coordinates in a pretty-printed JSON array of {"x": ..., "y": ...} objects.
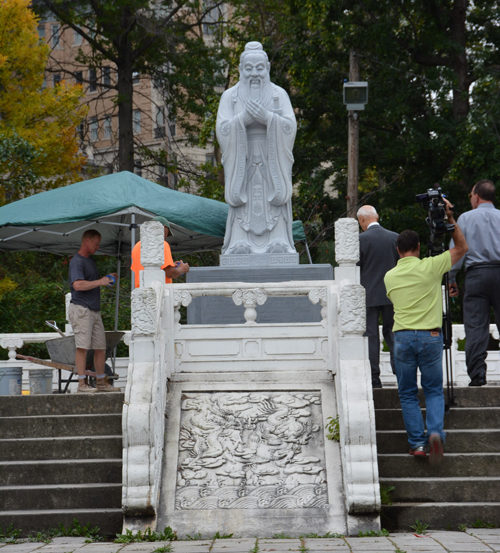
[{"x": 377, "y": 255}]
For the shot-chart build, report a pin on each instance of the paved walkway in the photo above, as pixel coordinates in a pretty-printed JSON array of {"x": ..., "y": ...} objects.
[{"x": 472, "y": 541}]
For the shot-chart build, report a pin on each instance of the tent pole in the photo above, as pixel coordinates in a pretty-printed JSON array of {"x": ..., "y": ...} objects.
[{"x": 308, "y": 253}]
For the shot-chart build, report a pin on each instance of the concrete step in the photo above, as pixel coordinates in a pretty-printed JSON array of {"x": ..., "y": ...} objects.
[
  {"x": 454, "y": 465},
  {"x": 439, "y": 516},
  {"x": 74, "y": 471},
  {"x": 44, "y": 426},
  {"x": 485, "y": 396},
  {"x": 449, "y": 490},
  {"x": 61, "y": 496},
  {"x": 457, "y": 441},
  {"x": 61, "y": 404},
  {"x": 109, "y": 521},
  {"x": 82, "y": 447},
  {"x": 463, "y": 418}
]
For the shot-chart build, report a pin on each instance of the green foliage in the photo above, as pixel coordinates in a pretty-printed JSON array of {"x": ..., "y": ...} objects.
[
  {"x": 33, "y": 286},
  {"x": 255, "y": 548},
  {"x": 74, "y": 530},
  {"x": 282, "y": 536},
  {"x": 373, "y": 534},
  {"x": 385, "y": 494},
  {"x": 147, "y": 536},
  {"x": 462, "y": 527},
  {"x": 217, "y": 536},
  {"x": 10, "y": 534},
  {"x": 419, "y": 527},
  {"x": 333, "y": 428},
  {"x": 164, "y": 549},
  {"x": 482, "y": 524},
  {"x": 319, "y": 536},
  {"x": 194, "y": 537}
]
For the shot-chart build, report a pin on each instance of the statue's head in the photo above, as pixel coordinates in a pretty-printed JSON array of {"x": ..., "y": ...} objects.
[{"x": 254, "y": 65}]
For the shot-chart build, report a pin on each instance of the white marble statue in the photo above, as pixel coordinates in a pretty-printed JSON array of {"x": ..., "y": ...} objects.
[{"x": 256, "y": 130}]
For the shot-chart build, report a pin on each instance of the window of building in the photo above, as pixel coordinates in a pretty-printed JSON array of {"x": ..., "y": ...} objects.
[
  {"x": 136, "y": 77},
  {"x": 108, "y": 128},
  {"x": 106, "y": 76},
  {"x": 57, "y": 79},
  {"x": 79, "y": 77},
  {"x": 210, "y": 158},
  {"x": 55, "y": 36},
  {"x": 44, "y": 83},
  {"x": 77, "y": 38},
  {"x": 80, "y": 131},
  {"x": 211, "y": 17},
  {"x": 41, "y": 32},
  {"x": 172, "y": 127},
  {"x": 136, "y": 121},
  {"x": 160, "y": 122},
  {"x": 92, "y": 80},
  {"x": 93, "y": 129},
  {"x": 138, "y": 168}
]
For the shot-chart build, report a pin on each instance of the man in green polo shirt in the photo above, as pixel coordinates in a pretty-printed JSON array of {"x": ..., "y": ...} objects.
[{"x": 414, "y": 287}]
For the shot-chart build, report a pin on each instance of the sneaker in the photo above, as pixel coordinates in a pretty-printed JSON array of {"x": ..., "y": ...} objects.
[
  {"x": 418, "y": 451},
  {"x": 85, "y": 389},
  {"x": 105, "y": 386},
  {"x": 435, "y": 449}
]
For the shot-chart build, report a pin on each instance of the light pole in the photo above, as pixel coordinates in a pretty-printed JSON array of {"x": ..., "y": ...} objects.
[{"x": 355, "y": 98}]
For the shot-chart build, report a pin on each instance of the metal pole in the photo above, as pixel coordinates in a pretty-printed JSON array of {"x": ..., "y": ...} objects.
[
  {"x": 132, "y": 244},
  {"x": 353, "y": 144},
  {"x": 308, "y": 253}
]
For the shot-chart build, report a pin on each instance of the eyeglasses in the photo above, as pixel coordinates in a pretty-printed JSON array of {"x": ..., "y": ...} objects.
[{"x": 471, "y": 194}]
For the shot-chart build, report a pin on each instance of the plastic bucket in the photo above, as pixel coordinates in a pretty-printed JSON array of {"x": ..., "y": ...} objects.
[
  {"x": 11, "y": 381},
  {"x": 41, "y": 381}
]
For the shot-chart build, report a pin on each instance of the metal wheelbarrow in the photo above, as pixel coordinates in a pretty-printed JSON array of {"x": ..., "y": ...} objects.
[{"x": 62, "y": 353}]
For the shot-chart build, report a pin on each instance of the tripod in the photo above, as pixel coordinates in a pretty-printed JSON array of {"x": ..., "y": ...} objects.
[{"x": 436, "y": 248}]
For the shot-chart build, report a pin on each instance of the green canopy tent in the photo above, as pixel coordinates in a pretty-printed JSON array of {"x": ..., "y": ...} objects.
[{"x": 115, "y": 205}]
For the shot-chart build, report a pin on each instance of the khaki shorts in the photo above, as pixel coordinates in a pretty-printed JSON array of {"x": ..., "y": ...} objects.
[{"x": 87, "y": 327}]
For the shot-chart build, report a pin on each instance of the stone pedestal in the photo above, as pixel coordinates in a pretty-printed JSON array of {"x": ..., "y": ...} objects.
[{"x": 218, "y": 310}]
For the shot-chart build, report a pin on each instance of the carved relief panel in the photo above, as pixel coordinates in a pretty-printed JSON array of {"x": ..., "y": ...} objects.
[{"x": 251, "y": 450}]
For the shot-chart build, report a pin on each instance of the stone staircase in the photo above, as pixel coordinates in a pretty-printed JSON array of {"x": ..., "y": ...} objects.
[
  {"x": 465, "y": 488},
  {"x": 61, "y": 459}
]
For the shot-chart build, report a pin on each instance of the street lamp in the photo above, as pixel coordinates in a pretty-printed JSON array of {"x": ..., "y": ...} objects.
[{"x": 355, "y": 95}]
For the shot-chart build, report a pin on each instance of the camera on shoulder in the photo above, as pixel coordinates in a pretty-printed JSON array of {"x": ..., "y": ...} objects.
[{"x": 433, "y": 202}]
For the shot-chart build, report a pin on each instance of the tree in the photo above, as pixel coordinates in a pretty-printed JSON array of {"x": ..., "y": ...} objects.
[
  {"x": 160, "y": 39},
  {"x": 38, "y": 146},
  {"x": 432, "y": 69}
]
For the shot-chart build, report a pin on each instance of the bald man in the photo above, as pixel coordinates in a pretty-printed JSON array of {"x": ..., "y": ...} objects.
[{"x": 377, "y": 255}]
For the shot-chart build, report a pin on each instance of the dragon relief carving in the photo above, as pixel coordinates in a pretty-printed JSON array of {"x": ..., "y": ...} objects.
[
  {"x": 251, "y": 450},
  {"x": 152, "y": 249},
  {"x": 352, "y": 309},
  {"x": 346, "y": 242},
  {"x": 144, "y": 311}
]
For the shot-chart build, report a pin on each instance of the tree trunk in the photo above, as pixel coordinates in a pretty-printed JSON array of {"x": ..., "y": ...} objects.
[
  {"x": 125, "y": 112},
  {"x": 460, "y": 67}
]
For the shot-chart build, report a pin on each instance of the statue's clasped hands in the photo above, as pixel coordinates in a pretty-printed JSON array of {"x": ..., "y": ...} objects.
[{"x": 255, "y": 111}]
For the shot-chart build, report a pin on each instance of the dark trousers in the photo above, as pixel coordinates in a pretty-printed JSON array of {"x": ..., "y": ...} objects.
[
  {"x": 372, "y": 316},
  {"x": 482, "y": 292}
]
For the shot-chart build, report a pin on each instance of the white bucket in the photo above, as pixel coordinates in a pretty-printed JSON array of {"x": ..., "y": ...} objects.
[
  {"x": 41, "y": 381},
  {"x": 11, "y": 381}
]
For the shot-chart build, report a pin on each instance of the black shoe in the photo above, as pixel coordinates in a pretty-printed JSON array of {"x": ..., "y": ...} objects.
[{"x": 479, "y": 380}]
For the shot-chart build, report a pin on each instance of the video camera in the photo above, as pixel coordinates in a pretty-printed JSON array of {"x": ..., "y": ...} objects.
[{"x": 433, "y": 202}]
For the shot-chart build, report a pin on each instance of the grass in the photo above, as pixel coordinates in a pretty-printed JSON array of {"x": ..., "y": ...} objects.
[
  {"x": 164, "y": 549},
  {"x": 419, "y": 527},
  {"x": 217, "y": 536},
  {"x": 385, "y": 494},
  {"x": 282, "y": 536},
  {"x": 482, "y": 524},
  {"x": 373, "y": 533},
  {"x": 9, "y": 535},
  {"x": 147, "y": 536}
]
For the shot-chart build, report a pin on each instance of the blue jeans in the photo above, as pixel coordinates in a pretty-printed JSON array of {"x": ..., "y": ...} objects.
[{"x": 412, "y": 349}]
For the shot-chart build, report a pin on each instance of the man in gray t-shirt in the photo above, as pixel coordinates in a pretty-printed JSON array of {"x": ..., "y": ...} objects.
[{"x": 85, "y": 311}]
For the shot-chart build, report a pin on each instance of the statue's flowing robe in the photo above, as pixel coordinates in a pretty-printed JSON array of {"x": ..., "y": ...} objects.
[{"x": 258, "y": 174}]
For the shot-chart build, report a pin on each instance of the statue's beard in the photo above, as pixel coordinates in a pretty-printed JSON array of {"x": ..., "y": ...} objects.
[{"x": 256, "y": 89}]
